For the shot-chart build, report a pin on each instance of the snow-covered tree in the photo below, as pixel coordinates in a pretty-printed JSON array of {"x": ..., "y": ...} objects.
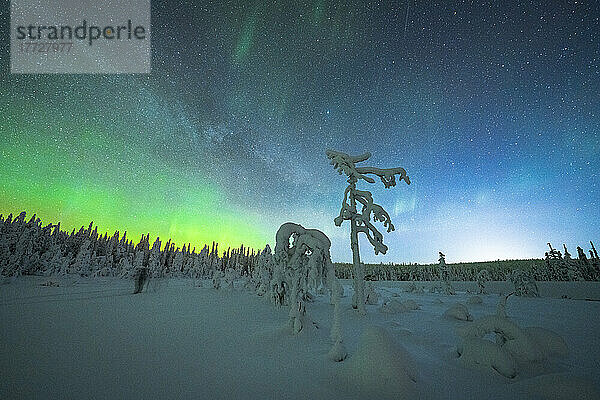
[
  {"x": 445, "y": 275},
  {"x": 154, "y": 260},
  {"x": 360, "y": 222},
  {"x": 83, "y": 261},
  {"x": 524, "y": 284},
  {"x": 177, "y": 267},
  {"x": 308, "y": 251},
  {"x": 263, "y": 271}
]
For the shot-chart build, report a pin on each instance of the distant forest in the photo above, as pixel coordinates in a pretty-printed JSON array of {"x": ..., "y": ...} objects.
[{"x": 29, "y": 248}]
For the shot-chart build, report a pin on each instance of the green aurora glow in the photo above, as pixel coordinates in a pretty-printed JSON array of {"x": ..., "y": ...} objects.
[{"x": 72, "y": 171}]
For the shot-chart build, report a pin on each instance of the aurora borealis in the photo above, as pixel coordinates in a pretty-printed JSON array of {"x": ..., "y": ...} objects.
[{"x": 491, "y": 107}]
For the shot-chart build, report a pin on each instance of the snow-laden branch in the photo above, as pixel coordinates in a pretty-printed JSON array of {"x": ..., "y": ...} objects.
[
  {"x": 387, "y": 176},
  {"x": 345, "y": 164}
]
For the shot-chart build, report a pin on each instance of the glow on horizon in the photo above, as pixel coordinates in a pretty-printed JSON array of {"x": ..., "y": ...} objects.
[{"x": 78, "y": 174}]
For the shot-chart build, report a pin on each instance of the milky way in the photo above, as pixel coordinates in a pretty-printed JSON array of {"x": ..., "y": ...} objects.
[{"x": 491, "y": 107}]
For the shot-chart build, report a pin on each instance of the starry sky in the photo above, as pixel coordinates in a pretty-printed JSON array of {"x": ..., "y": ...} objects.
[{"x": 491, "y": 107}]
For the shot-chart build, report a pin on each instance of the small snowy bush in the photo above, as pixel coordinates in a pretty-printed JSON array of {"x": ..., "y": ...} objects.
[
  {"x": 371, "y": 296},
  {"x": 338, "y": 351},
  {"x": 458, "y": 311},
  {"x": 513, "y": 344},
  {"x": 394, "y": 306},
  {"x": 482, "y": 352},
  {"x": 483, "y": 277}
]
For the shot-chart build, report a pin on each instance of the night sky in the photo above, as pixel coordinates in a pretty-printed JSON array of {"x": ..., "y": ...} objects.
[{"x": 493, "y": 109}]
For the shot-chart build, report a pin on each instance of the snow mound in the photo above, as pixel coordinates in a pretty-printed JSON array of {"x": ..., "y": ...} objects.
[
  {"x": 508, "y": 335},
  {"x": 458, "y": 311},
  {"x": 414, "y": 288},
  {"x": 559, "y": 387},
  {"x": 513, "y": 346},
  {"x": 481, "y": 352},
  {"x": 549, "y": 343},
  {"x": 394, "y": 306},
  {"x": 381, "y": 368},
  {"x": 475, "y": 300},
  {"x": 338, "y": 352}
]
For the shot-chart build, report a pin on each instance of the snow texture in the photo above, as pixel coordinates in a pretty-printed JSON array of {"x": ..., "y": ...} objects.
[
  {"x": 381, "y": 368},
  {"x": 474, "y": 300},
  {"x": 93, "y": 337}
]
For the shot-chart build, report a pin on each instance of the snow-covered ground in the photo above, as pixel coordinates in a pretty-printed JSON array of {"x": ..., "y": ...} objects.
[{"x": 91, "y": 338}]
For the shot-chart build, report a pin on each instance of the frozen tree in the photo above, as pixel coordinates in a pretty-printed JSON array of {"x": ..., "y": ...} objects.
[
  {"x": 570, "y": 266},
  {"x": 83, "y": 263},
  {"x": 217, "y": 278},
  {"x": 125, "y": 266},
  {"x": 138, "y": 260},
  {"x": 229, "y": 277},
  {"x": 445, "y": 275},
  {"x": 177, "y": 266},
  {"x": 524, "y": 284},
  {"x": 262, "y": 273},
  {"x": 300, "y": 253},
  {"x": 154, "y": 260},
  {"x": 360, "y": 222}
]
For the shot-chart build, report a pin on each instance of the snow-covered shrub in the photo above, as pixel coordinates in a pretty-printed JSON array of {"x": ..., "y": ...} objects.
[
  {"x": 436, "y": 288},
  {"x": 262, "y": 274},
  {"x": 483, "y": 277},
  {"x": 217, "y": 279},
  {"x": 511, "y": 337},
  {"x": 482, "y": 352},
  {"x": 445, "y": 273},
  {"x": 371, "y": 295},
  {"x": 393, "y": 306},
  {"x": 302, "y": 265},
  {"x": 513, "y": 344},
  {"x": 338, "y": 351},
  {"x": 448, "y": 288},
  {"x": 458, "y": 311},
  {"x": 229, "y": 278},
  {"x": 278, "y": 284},
  {"x": 501, "y": 308},
  {"x": 549, "y": 343},
  {"x": 83, "y": 263},
  {"x": 381, "y": 364},
  {"x": 414, "y": 288},
  {"x": 337, "y": 290},
  {"x": 524, "y": 284}
]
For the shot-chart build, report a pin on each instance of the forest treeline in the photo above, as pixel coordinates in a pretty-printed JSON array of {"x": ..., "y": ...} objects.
[
  {"x": 29, "y": 248},
  {"x": 555, "y": 266}
]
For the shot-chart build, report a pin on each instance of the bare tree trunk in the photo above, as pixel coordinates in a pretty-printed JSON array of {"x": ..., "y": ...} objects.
[{"x": 358, "y": 300}]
